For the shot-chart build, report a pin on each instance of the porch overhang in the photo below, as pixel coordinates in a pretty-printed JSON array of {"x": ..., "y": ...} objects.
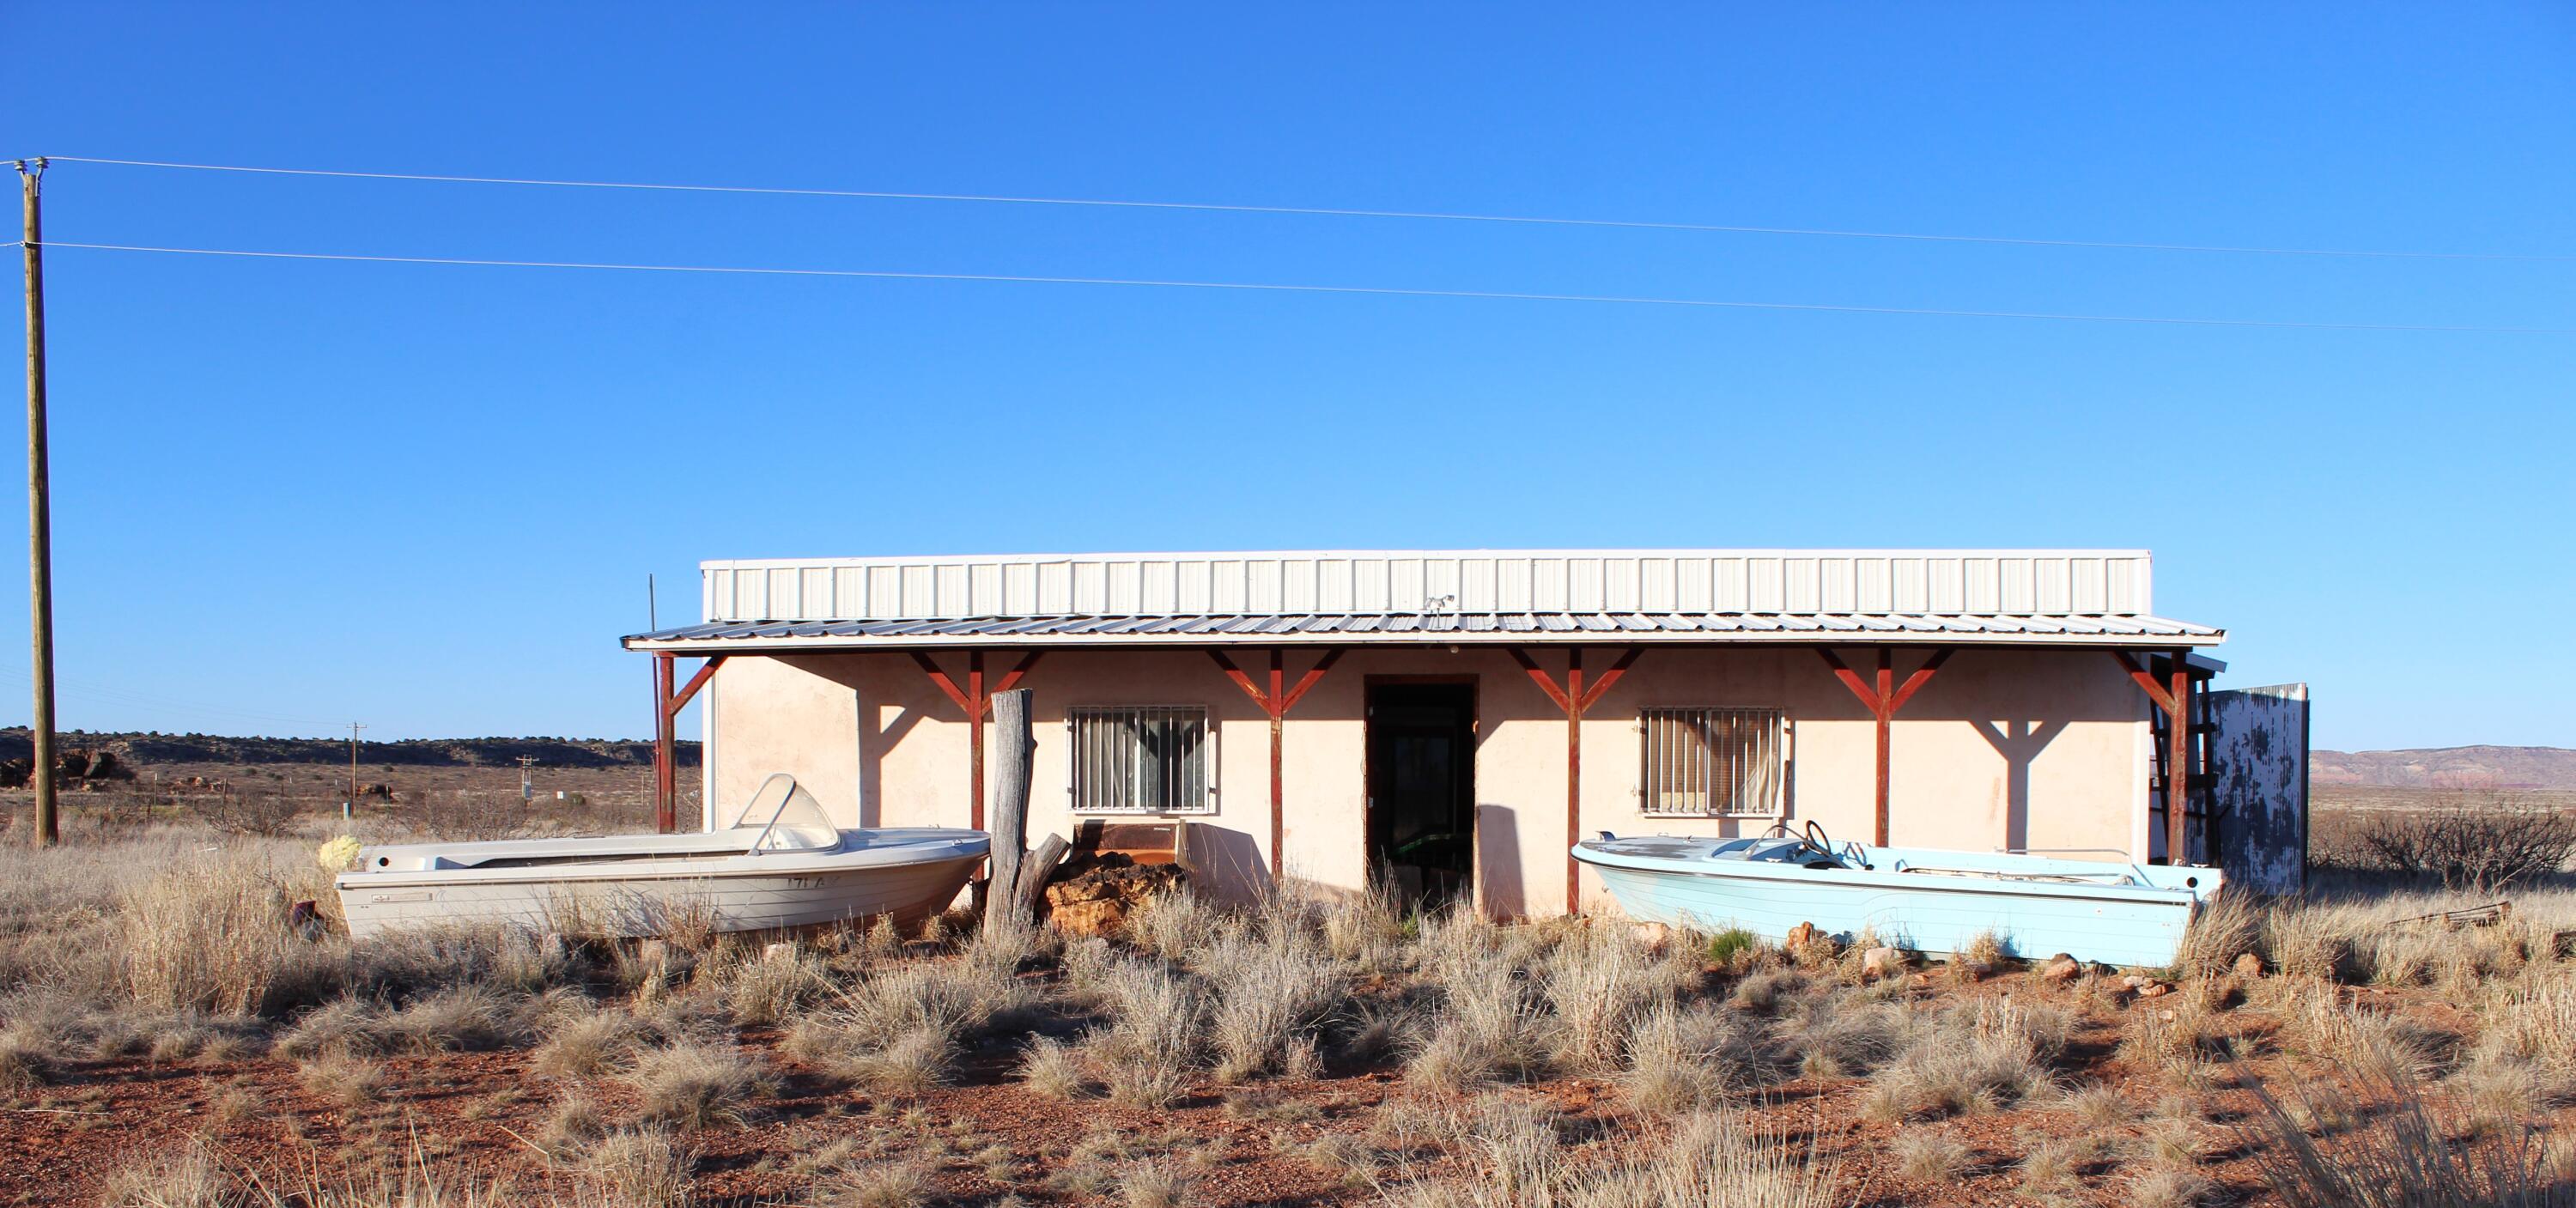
[{"x": 2095, "y": 632}]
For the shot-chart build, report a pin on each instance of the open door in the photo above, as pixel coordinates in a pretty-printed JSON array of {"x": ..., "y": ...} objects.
[{"x": 1422, "y": 790}]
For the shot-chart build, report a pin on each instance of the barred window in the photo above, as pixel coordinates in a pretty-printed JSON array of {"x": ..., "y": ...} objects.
[
  {"x": 1141, "y": 760},
  {"x": 1713, "y": 762}
]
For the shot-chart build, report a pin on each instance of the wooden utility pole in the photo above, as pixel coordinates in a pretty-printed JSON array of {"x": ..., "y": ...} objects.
[
  {"x": 40, "y": 523},
  {"x": 353, "y": 764}
]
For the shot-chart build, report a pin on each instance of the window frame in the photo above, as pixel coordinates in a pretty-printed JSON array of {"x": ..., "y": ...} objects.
[
  {"x": 1773, "y": 796},
  {"x": 1080, "y": 760}
]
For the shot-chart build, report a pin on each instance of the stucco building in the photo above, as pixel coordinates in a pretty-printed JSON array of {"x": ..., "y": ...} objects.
[{"x": 1457, "y": 718}]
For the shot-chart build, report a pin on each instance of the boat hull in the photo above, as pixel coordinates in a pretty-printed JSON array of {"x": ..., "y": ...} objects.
[
  {"x": 636, "y": 899},
  {"x": 2119, "y": 925}
]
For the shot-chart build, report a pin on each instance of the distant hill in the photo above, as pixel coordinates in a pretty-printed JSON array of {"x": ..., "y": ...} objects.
[
  {"x": 2448, "y": 767},
  {"x": 147, "y": 750}
]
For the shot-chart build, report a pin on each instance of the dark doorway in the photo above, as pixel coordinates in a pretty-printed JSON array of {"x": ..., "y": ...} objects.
[{"x": 1422, "y": 790}]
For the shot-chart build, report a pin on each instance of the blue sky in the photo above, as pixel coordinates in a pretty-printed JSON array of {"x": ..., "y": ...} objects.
[{"x": 427, "y": 497}]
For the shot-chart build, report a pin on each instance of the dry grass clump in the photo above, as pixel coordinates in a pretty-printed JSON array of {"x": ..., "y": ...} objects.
[
  {"x": 1053, "y": 1069},
  {"x": 1930, "y": 1157},
  {"x": 1708, "y": 1160},
  {"x": 773, "y": 988},
  {"x": 639, "y": 1168},
  {"x": 1838, "y": 1033},
  {"x": 1158, "y": 1023},
  {"x": 1599, "y": 981},
  {"x": 469, "y": 1018},
  {"x": 207, "y": 934},
  {"x": 1174, "y": 926},
  {"x": 1274, "y": 988},
  {"x": 880, "y": 1185},
  {"x": 1968, "y": 1060},
  {"x": 586, "y": 1044},
  {"x": 350, "y": 1082},
  {"x": 2226, "y": 926},
  {"x": 2165, "y": 1185},
  {"x": 897, "y": 1030},
  {"x": 2393, "y": 1149},
  {"x": 575, "y": 1124},
  {"x": 697, "y": 1085},
  {"x": 1152, "y": 1184},
  {"x": 1685, "y": 1059},
  {"x": 188, "y": 1179}
]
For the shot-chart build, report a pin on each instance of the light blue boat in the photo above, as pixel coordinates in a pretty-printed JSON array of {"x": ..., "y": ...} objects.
[{"x": 1923, "y": 899}]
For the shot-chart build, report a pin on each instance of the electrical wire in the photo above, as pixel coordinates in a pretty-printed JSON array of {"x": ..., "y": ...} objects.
[
  {"x": 1332, "y": 212},
  {"x": 1274, "y": 287}
]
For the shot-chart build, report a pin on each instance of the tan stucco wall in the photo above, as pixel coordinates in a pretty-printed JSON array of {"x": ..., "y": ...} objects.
[{"x": 2039, "y": 749}]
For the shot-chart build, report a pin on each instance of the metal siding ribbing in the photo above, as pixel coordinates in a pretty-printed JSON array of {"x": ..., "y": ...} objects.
[{"x": 1774, "y": 582}]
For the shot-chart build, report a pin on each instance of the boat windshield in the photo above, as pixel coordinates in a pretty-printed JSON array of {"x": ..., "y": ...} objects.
[{"x": 787, "y": 817}]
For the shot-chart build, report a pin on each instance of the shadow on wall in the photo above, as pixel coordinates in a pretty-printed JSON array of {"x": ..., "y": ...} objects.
[
  {"x": 1500, "y": 892},
  {"x": 2020, "y": 743},
  {"x": 874, "y": 742},
  {"x": 1228, "y": 863}
]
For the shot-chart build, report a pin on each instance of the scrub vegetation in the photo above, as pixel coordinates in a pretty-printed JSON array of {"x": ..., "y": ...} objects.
[{"x": 175, "y": 1030}]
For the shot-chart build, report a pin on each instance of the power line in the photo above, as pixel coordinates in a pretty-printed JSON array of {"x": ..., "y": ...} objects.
[
  {"x": 1332, "y": 212},
  {"x": 1275, "y": 287}
]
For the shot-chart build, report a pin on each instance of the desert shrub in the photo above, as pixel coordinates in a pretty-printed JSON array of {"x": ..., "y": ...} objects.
[
  {"x": 2399, "y": 1152},
  {"x": 1158, "y": 1022},
  {"x": 1687, "y": 1059},
  {"x": 1053, "y": 1069},
  {"x": 208, "y": 934},
  {"x": 2225, "y": 927},
  {"x": 2482, "y": 843},
  {"x": 1598, "y": 983},
  {"x": 640, "y": 1168},
  {"x": 588, "y": 1043},
  {"x": 696, "y": 1085},
  {"x": 1930, "y": 1157},
  {"x": 1970, "y": 1059},
  {"x": 350, "y": 1082},
  {"x": 773, "y": 988},
  {"x": 1273, "y": 989}
]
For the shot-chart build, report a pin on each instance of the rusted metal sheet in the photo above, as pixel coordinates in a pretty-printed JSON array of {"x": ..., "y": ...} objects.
[{"x": 2258, "y": 771}]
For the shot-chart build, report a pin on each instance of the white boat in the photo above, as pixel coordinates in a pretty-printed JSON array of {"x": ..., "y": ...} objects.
[
  {"x": 1925, "y": 899},
  {"x": 781, "y": 864}
]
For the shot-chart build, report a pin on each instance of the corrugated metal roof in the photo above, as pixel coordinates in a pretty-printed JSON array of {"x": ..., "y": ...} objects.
[{"x": 1434, "y": 628}]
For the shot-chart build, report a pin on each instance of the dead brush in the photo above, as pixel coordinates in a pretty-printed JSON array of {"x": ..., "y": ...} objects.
[
  {"x": 1598, "y": 982},
  {"x": 1688, "y": 1059},
  {"x": 1158, "y": 1027},
  {"x": 208, "y": 934},
  {"x": 1273, "y": 989},
  {"x": 1970, "y": 1060},
  {"x": 2397, "y": 1152},
  {"x": 639, "y": 1168},
  {"x": 774, "y": 987},
  {"x": 587, "y": 1044},
  {"x": 697, "y": 1085}
]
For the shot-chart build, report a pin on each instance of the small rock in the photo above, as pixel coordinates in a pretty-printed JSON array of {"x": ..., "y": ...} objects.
[
  {"x": 652, "y": 952},
  {"x": 1654, "y": 937},
  {"x": 1799, "y": 937},
  {"x": 2168, "y": 1015},
  {"x": 2153, "y": 990},
  {"x": 783, "y": 950},
  {"x": 1880, "y": 962},
  {"x": 2061, "y": 969},
  {"x": 2249, "y": 967}
]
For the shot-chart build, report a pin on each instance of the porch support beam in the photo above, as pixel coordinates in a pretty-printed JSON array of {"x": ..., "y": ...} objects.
[
  {"x": 666, "y": 719},
  {"x": 1576, "y": 699},
  {"x": 1883, "y": 698},
  {"x": 2173, "y": 698},
  {"x": 1275, "y": 701},
  {"x": 975, "y": 699}
]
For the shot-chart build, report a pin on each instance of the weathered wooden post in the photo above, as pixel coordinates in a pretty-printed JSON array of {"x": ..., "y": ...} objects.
[{"x": 1010, "y": 813}]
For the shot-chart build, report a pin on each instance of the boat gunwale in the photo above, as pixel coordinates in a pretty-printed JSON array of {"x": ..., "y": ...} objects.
[
  {"x": 1746, "y": 870},
  {"x": 842, "y": 860}
]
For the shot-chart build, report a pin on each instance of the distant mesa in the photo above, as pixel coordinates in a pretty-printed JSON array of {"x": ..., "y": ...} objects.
[
  {"x": 126, "y": 752},
  {"x": 2474, "y": 768}
]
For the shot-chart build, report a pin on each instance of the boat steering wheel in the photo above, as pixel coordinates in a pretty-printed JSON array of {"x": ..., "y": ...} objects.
[{"x": 1812, "y": 837}]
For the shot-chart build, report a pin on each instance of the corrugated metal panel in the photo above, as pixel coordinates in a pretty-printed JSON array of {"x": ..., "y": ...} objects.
[{"x": 1979, "y": 582}]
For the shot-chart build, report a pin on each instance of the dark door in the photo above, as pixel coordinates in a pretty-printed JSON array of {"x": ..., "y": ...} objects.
[{"x": 1422, "y": 789}]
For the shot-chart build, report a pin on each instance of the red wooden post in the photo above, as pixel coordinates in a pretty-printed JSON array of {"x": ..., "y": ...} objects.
[
  {"x": 1275, "y": 702},
  {"x": 1576, "y": 700},
  {"x": 977, "y": 704},
  {"x": 1884, "y": 698}
]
